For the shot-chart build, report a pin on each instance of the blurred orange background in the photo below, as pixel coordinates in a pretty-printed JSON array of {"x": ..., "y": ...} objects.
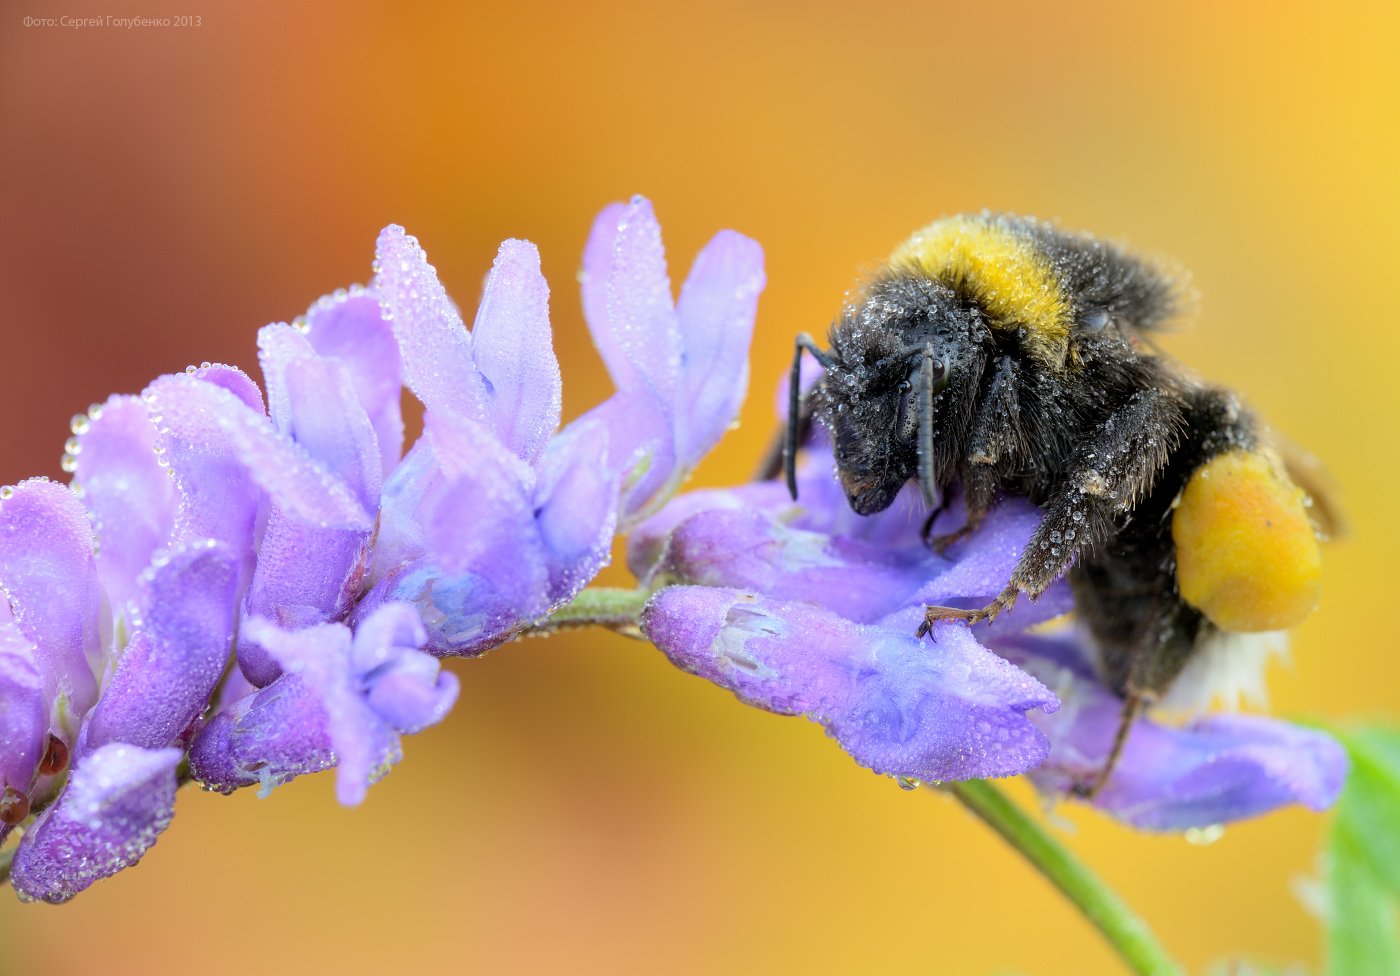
[{"x": 586, "y": 808}]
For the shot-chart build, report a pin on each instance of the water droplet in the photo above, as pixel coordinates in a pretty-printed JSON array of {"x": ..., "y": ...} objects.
[
  {"x": 6, "y": 493},
  {"x": 907, "y": 782},
  {"x": 79, "y": 424},
  {"x": 1204, "y": 836},
  {"x": 68, "y": 463}
]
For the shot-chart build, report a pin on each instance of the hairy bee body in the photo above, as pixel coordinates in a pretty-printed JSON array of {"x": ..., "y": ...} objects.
[{"x": 996, "y": 355}]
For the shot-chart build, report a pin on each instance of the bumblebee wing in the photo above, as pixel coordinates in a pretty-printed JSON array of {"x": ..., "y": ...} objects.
[{"x": 1309, "y": 474}]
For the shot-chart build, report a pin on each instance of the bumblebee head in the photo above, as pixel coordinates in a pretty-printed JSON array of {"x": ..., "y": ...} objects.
[{"x": 900, "y": 384}]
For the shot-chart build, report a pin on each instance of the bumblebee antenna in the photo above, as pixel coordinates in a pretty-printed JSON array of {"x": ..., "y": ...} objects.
[
  {"x": 794, "y": 417},
  {"x": 926, "y": 426}
]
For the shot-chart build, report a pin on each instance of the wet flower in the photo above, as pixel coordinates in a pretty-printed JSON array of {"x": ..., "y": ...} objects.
[
  {"x": 802, "y": 608},
  {"x": 252, "y": 584}
]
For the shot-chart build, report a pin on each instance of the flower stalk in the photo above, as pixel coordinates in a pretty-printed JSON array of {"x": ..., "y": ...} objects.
[{"x": 1125, "y": 931}]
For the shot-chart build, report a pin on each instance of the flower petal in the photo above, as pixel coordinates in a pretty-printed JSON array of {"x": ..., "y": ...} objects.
[
  {"x": 897, "y": 705},
  {"x": 164, "y": 678},
  {"x": 716, "y": 313},
  {"x": 118, "y": 801},
  {"x": 129, "y": 495},
  {"x": 269, "y": 737},
  {"x": 627, "y": 296},
  {"x": 753, "y": 551},
  {"x": 482, "y": 520},
  {"x": 407, "y": 688},
  {"x": 217, "y": 444},
  {"x": 350, "y": 328},
  {"x": 514, "y": 352},
  {"x": 364, "y": 746},
  {"x": 48, "y": 574},
  {"x": 313, "y": 401},
  {"x": 436, "y": 349},
  {"x": 641, "y": 447},
  {"x": 24, "y": 712},
  {"x": 218, "y": 498},
  {"x": 1211, "y": 771},
  {"x": 576, "y": 508}
]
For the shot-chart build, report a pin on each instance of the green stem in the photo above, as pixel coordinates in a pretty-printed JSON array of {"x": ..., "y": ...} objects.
[
  {"x": 602, "y": 606},
  {"x": 6, "y": 857},
  {"x": 1128, "y": 934}
]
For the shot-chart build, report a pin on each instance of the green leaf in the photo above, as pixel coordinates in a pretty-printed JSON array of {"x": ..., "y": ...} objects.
[{"x": 1364, "y": 859}]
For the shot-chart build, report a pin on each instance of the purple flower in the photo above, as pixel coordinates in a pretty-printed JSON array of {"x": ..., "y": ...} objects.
[
  {"x": 681, "y": 369},
  {"x": 344, "y": 699},
  {"x": 797, "y": 620},
  {"x": 286, "y": 529},
  {"x": 808, "y": 609},
  {"x": 1210, "y": 770}
]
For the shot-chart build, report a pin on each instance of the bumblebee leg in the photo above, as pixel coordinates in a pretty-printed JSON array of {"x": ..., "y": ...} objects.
[
  {"x": 933, "y": 614},
  {"x": 939, "y": 543},
  {"x": 995, "y": 439},
  {"x": 1132, "y": 708},
  {"x": 1111, "y": 471},
  {"x": 996, "y": 434}
]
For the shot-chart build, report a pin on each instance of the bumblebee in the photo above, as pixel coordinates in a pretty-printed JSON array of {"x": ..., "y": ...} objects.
[{"x": 996, "y": 355}]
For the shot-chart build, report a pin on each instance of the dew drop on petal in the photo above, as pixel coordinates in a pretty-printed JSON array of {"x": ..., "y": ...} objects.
[{"x": 1204, "y": 836}]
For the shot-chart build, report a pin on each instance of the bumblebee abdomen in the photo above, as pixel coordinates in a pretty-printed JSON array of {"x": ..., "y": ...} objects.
[{"x": 1247, "y": 555}]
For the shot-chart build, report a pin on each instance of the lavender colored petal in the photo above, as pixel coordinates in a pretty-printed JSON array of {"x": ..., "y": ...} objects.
[
  {"x": 218, "y": 445},
  {"x": 48, "y": 574},
  {"x": 118, "y": 801},
  {"x": 407, "y": 688},
  {"x": 436, "y": 349},
  {"x": 279, "y": 345},
  {"x": 597, "y": 257},
  {"x": 364, "y": 746},
  {"x": 641, "y": 447},
  {"x": 482, "y": 520},
  {"x": 268, "y": 737},
  {"x": 379, "y": 638},
  {"x": 464, "y": 614},
  {"x": 627, "y": 297},
  {"x": 218, "y": 498},
  {"x": 130, "y": 497},
  {"x": 305, "y": 575},
  {"x": 514, "y": 351},
  {"x": 350, "y": 328},
  {"x": 328, "y": 420},
  {"x": 898, "y": 709},
  {"x": 753, "y": 551},
  {"x": 173, "y": 661},
  {"x": 647, "y": 542},
  {"x": 1211, "y": 771},
  {"x": 24, "y": 712},
  {"x": 716, "y": 313},
  {"x": 575, "y": 508},
  {"x": 985, "y": 560},
  {"x": 400, "y": 538}
]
